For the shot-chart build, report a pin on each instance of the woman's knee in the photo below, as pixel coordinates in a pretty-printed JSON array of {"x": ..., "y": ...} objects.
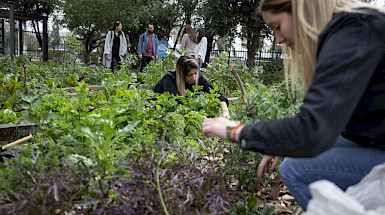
[{"x": 288, "y": 169}]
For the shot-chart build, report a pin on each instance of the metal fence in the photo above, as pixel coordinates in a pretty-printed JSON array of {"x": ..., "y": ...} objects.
[
  {"x": 261, "y": 57},
  {"x": 32, "y": 48},
  {"x": 56, "y": 51}
]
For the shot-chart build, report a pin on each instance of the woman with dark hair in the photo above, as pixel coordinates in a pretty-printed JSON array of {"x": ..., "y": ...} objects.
[
  {"x": 201, "y": 47},
  {"x": 189, "y": 40},
  {"x": 185, "y": 77},
  {"x": 115, "y": 46}
]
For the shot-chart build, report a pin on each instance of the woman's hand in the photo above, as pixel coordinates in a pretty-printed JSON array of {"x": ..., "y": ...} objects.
[
  {"x": 264, "y": 166},
  {"x": 226, "y": 114},
  {"x": 215, "y": 126}
]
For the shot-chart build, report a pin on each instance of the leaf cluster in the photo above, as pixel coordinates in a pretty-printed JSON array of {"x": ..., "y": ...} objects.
[
  {"x": 192, "y": 184},
  {"x": 19, "y": 77},
  {"x": 267, "y": 103},
  {"x": 273, "y": 72},
  {"x": 42, "y": 188},
  {"x": 106, "y": 142},
  {"x": 219, "y": 72}
]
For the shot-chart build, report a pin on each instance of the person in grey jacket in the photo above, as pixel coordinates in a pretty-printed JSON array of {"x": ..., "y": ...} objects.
[
  {"x": 189, "y": 40},
  {"x": 147, "y": 46},
  {"x": 338, "y": 49},
  {"x": 115, "y": 46}
]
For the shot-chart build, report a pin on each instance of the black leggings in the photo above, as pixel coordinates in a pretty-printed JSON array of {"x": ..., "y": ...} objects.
[{"x": 115, "y": 58}]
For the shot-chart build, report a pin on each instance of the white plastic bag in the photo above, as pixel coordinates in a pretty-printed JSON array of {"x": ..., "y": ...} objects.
[{"x": 364, "y": 198}]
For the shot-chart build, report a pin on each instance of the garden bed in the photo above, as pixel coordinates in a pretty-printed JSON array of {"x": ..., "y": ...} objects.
[
  {"x": 11, "y": 132},
  {"x": 118, "y": 148},
  {"x": 90, "y": 87}
]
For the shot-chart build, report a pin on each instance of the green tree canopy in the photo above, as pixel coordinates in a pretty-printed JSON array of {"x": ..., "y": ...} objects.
[
  {"x": 253, "y": 28},
  {"x": 218, "y": 17},
  {"x": 90, "y": 20}
]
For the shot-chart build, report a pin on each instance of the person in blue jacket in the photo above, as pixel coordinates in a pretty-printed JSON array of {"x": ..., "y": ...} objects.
[
  {"x": 147, "y": 46},
  {"x": 337, "y": 47},
  {"x": 185, "y": 77}
]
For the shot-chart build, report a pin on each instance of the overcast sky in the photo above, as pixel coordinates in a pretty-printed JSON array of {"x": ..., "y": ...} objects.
[{"x": 380, "y": 3}]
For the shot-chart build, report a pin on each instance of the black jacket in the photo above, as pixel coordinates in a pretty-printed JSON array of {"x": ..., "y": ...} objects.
[
  {"x": 168, "y": 84},
  {"x": 347, "y": 95}
]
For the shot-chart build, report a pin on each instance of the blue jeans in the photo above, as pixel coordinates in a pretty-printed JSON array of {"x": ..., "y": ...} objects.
[{"x": 345, "y": 164}]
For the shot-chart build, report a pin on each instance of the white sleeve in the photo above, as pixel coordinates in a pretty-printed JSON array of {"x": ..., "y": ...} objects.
[
  {"x": 203, "y": 47},
  {"x": 107, "y": 44},
  {"x": 124, "y": 44}
]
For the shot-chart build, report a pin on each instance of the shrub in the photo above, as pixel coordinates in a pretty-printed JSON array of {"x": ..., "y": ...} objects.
[
  {"x": 219, "y": 72},
  {"x": 266, "y": 103},
  {"x": 272, "y": 72}
]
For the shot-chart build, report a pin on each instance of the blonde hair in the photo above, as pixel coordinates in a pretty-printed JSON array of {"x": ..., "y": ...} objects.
[
  {"x": 183, "y": 66},
  {"x": 309, "y": 19}
]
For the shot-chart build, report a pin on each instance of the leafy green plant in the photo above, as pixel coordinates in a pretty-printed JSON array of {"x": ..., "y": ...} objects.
[
  {"x": 104, "y": 136},
  {"x": 193, "y": 126},
  {"x": 219, "y": 72},
  {"x": 248, "y": 207},
  {"x": 106, "y": 140},
  {"x": 156, "y": 185},
  {"x": 266, "y": 103},
  {"x": 272, "y": 72},
  {"x": 128, "y": 62},
  {"x": 9, "y": 95},
  {"x": 156, "y": 69},
  {"x": 7, "y": 116},
  {"x": 72, "y": 48},
  {"x": 269, "y": 210}
]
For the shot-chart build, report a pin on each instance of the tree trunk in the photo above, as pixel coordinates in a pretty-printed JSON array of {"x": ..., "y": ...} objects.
[
  {"x": 89, "y": 45},
  {"x": 86, "y": 54},
  {"x": 210, "y": 40},
  {"x": 252, "y": 46},
  {"x": 188, "y": 17},
  {"x": 251, "y": 49},
  {"x": 37, "y": 32},
  {"x": 177, "y": 37},
  {"x": 88, "y": 49},
  {"x": 274, "y": 47}
]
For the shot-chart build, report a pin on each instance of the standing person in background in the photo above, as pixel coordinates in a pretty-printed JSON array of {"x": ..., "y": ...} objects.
[
  {"x": 189, "y": 40},
  {"x": 147, "y": 46},
  {"x": 201, "y": 47},
  {"x": 337, "y": 47},
  {"x": 115, "y": 46}
]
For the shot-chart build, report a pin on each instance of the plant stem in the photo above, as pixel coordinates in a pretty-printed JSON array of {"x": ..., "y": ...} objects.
[
  {"x": 25, "y": 79},
  {"x": 159, "y": 190},
  {"x": 64, "y": 63}
]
